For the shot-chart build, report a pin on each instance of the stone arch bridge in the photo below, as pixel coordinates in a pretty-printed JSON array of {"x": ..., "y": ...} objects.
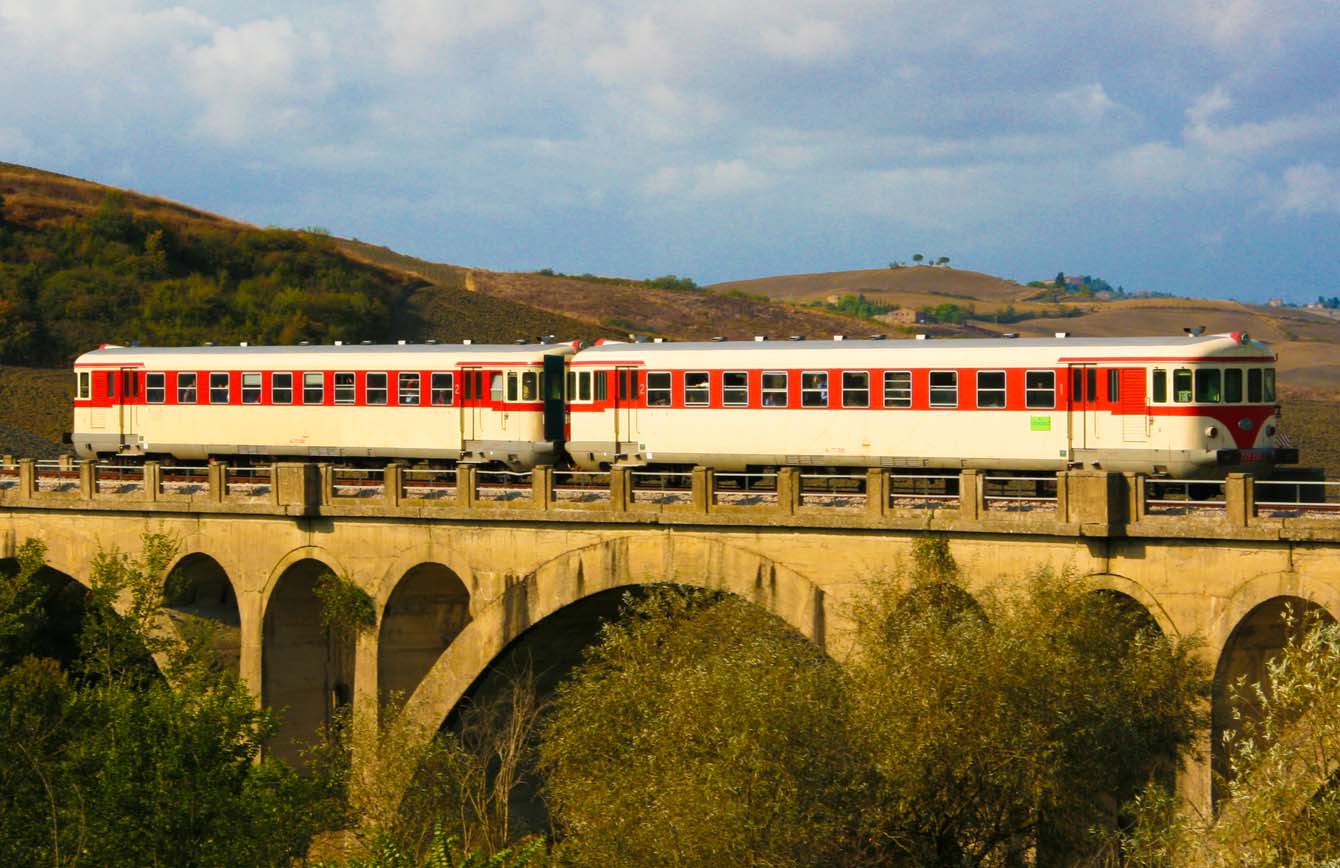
[{"x": 459, "y": 571}]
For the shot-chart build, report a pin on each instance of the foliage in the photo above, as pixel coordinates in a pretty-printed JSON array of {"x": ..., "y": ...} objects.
[
  {"x": 858, "y": 306},
  {"x": 1004, "y": 725},
  {"x": 1283, "y": 804},
  {"x": 119, "y": 276},
  {"x": 345, "y": 607},
  {"x": 444, "y": 851},
  {"x": 701, "y": 731},
  {"x": 671, "y": 281},
  {"x": 949, "y": 312},
  {"x": 967, "y": 730},
  {"x": 106, "y": 763}
]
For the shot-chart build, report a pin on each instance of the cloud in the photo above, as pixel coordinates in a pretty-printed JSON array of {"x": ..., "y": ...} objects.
[
  {"x": 711, "y": 181},
  {"x": 425, "y": 32},
  {"x": 1088, "y": 103},
  {"x": 258, "y": 79},
  {"x": 1254, "y": 137},
  {"x": 805, "y": 41},
  {"x": 1309, "y": 189}
]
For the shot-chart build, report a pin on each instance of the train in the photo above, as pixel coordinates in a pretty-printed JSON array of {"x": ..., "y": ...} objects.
[{"x": 1187, "y": 406}]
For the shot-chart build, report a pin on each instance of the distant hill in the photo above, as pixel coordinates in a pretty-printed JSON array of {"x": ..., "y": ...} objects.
[{"x": 920, "y": 281}]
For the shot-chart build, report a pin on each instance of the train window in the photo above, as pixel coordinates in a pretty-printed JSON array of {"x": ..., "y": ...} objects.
[
  {"x": 658, "y": 388},
  {"x": 1040, "y": 390},
  {"x": 1253, "y": 385},
  {"x": 774, "y": 389},
  {"x": 1269, "y": 390},
  {"x": 1182, "y": 385},
  {"x": 583, "y": 385},
  {"x": 218, "y": 387},
  {"x": 735, "y": 388},
  {"x": 1160, "y": 386},
  {"x": 251, "y": 387},
  {"x": 1114, "y": 385},
  {"x": 85, "y": 386},
  {"x": 344, "y": 387},
  {"x": 530, "y": 385},
  {"x": 897, "y": 388},
  {"x": 111, "y": 385},
  {"x": 628, "y": 385},
  {"x": 944, "y": 388},
  {"x": 281, "y": 388},
  {"x": 408, "y": 383},
  {"x": 155, "y": 388},
  {"x": 313, "y": 387},
  {"x": 602, "y": 385},
  {"x": 495, "y": 379},
  {"x": 186, "y": 387},
  {"x": 814, "y": 389},
  {"x": 375, "y": 387},
  {"x": 697, "y": 390},
  {"x": 856, "y": 388},
  {"x": 1232, "y": 385},
  {"x": 1093, "y": 383},
  {"x": 1207, "y": 386},
  {"x": 441, "y": 388},
  {"x": 990, "y": 389},
  {"x": 512, "y": 390}
]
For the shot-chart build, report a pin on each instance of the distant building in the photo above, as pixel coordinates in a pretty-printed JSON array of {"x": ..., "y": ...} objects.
[
  {"x": 903, "y": 316},
  {"x": 1275, "y": 302}
]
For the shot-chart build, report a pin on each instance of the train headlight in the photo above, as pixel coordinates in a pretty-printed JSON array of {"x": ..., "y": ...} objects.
[
  {"x": 1212, "y": 432},
  {"x": 1270, "y": 430}
]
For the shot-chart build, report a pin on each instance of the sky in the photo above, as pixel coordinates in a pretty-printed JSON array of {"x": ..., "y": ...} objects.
[{"x": 1190, "y": 147}]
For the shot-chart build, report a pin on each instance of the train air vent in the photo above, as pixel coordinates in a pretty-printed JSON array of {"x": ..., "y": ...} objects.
[
  {"x": 879, "y": 337},
  {"x": 401, "y": 342},
  {"x": 209, "y": 343},
  {"x": 339, "y": 343},
  {"x": 244, "y": 344},
  {"x": 839, "y": 337},
  {"x": 467, "y": 342},
  {"x": 365, "y": 343},
  {"x": 1010, "y": 335},
  {"x": 760, "y": 338},
  {"x": 432, "y": 342},
  {"x": 520, "y": 342},
  {"x": 718, "y": 339},
  {"x": 796, "y": 338},
  {"x": 658, "y": 340},
  {"x": 1063, "y": 335},
  {"x": 921, "y": 337}
]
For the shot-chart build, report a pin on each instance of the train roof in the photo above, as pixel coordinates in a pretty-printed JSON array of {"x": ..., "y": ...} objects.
[
  {"x": 324, "y": 356},
  {"x": 1054, "y": 350}
]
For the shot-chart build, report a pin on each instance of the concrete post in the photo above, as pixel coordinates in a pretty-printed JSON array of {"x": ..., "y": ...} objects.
[
  {"x": 971, "y": 496},
  {"x": 1096, "y": 499},
  {"x": 621, "y": 488},
  {"x": 153, "y": 480},
  {"x": 1240, "y": 499},
  {"x": 1063, "y": 496},
  {"x": 218, "y": 483},
  {"x": 274, "y": 484},
  {"x": 1136, "y": 497},
  {"x": 788, "y": 490},
  {"x": 542, "y": 486},
  {"x": 876, "y": 491},
  {"x": 298, "y": 485},
  {"x": 88, "y": 480},
  {"x": 27, "y": 478},
  {"x": 703, "y": 485},
  {"x": 392, "y": 485},
  {"x": 327, "y": 484},
  {"x": 467, "y": 485}
]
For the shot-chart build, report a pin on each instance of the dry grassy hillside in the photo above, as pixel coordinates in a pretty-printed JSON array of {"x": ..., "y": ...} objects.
[{"x": 918, "y": 281}]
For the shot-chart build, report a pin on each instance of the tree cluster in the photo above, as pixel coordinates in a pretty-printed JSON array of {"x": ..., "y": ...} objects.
[{"x": 115, "y": 276}]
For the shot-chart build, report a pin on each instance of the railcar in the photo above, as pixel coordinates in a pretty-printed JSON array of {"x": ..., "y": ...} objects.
[
  {"x": 446, "y": 402},
  {"x": 1192, "y": 406}
]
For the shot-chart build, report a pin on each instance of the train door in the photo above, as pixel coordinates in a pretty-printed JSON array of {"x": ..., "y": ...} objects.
[
  {"x": 625, "y": 405},
  {"x": 127, "y": 404},
  {"x": 555, "y": 408},
  {"x": 474, "y": 397},
  {"x": 1132, "y": 405},
  {"x": 1082, "y": 408}
]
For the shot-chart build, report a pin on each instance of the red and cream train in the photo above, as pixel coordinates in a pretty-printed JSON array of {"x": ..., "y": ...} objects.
[{"x": 1191, "y": 406}]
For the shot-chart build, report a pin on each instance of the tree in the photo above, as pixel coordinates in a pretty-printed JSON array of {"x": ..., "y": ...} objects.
[
  {"x": 943, "y": 260},
  {"x": 1007, "y": 724},
  {"x": 1060, "y": 280},
  {"x": 917, "y": 258},
  {"x": 702, "y": 731}
]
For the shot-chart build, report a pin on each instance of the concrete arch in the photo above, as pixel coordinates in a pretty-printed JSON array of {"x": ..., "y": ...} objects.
[
  {"x": 1255, "y": 641},
  {"x": 291, "y": 557},
  {"x": 203, "y": 590},
  {"x": 1251, "y": 593},
  {"x": 619, "y": 562},
  {"x": 1139, "y": 594},
  {"x": 307, "y": 670},
  {"x": 424, "y": 611}
]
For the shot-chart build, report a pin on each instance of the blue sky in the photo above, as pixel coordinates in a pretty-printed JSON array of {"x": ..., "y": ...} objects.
[{"x": 1189, "y": 147}]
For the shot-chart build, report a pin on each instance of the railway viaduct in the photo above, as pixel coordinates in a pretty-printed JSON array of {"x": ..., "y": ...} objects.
[{"x": 460, "y": 568}]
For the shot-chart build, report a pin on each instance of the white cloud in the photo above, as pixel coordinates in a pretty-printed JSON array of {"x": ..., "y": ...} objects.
[
  {"x": 711, "y": 181},
  {"x": 425, "y": 31},
  {"x": 1088, "y": 103},
  {"x": 640, "y": 53},
  {"x": 805, "y": 41},
  {"x": 1309, "y": 189},
  {"x": 259, "y": 78}
]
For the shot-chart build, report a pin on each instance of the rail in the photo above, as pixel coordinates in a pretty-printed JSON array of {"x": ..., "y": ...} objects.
[{"x": 1091, "y": 500}]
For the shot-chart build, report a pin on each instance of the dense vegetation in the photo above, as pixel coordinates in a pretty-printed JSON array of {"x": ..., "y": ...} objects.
[
  {"x": 968, "y": 729},
  {"x": 112, "y": 275}
]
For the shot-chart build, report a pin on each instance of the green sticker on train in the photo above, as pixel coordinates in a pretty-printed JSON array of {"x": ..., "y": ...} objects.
[{"x": 1039, "y": 423}]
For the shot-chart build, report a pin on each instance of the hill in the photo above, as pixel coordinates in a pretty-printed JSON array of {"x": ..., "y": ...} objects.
[{"x": 885, "y": 283}]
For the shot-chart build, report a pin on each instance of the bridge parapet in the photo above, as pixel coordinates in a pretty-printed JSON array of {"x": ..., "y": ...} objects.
[{"x": 1079, "y": 503}]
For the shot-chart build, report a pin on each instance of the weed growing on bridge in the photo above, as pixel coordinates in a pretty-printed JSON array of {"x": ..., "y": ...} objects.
[{"x": 345, "y": 607}]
